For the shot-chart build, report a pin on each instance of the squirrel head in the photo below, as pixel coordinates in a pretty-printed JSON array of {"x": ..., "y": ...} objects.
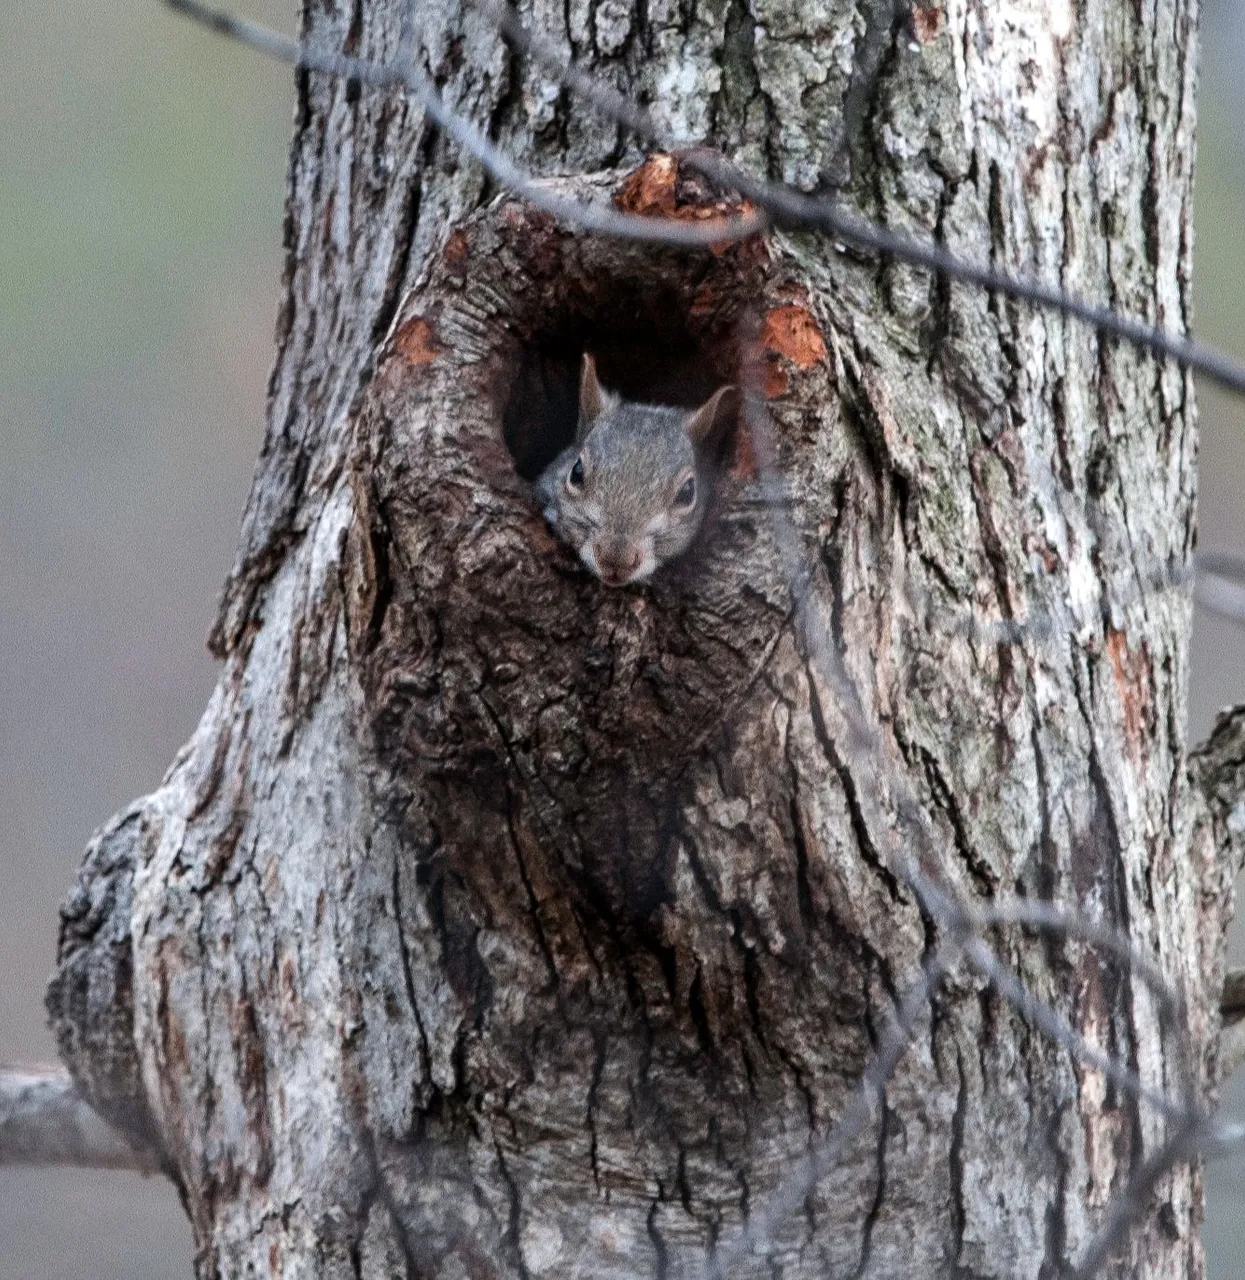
[{"x": 631, "y": 493}]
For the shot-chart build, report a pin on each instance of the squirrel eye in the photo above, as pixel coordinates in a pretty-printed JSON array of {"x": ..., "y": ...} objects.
[
  {"x": 686, "y": 495},
  {"x": 575, "y": 477}
]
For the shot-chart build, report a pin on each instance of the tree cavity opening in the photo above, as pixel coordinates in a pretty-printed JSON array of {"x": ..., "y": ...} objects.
[{"x": 646, "y": 346}]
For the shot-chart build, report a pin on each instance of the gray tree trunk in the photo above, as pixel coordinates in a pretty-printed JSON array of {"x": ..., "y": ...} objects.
[{"x": 497, "y": 923}]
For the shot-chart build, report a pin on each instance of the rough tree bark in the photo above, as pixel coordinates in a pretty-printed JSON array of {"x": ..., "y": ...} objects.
[{"x": 497, "y": 923}]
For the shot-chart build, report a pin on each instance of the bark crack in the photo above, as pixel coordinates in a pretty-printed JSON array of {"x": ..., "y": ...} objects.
[
  {"x": 408, "y": 975},
  {"x": 660, "y": 1249},
  {"x": 860, "y": 827},
  {"x": 879, "y": 1195},
  {"x": 955, "y": 1162},
  {"x": 513, "y": 1235}
]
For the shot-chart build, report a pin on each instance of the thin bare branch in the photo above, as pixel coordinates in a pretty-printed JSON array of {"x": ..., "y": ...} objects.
[
  {"x": 1131, "y": 1203},
  {"x": 588, "y": 216},
  {"x": 910, "y": 848},
  {"x": 786, "y": 206},
  {"x": 1220, "y": 586},
  {"x": 1232, "y": 1005},
  {"x": 612, "y": 104},
  {"x": 961, "y": 923},
  {"x": 1047, "y": 918},
  {"x": 794, "y": 210},
  {"x": 1232, "y": 1032},
  {"x": 1217, "y": 580},
  {"x": 45, "y": 1121},
  {"x": 1042, "y": 626},
  {"x": 1045, "y": 1019},
  {"x": 866, "y": 1100},
  {"x": 1231, "y": 1049}
]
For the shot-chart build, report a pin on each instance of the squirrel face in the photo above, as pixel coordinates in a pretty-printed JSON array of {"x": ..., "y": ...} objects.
[{"x": 631, "y": 493}]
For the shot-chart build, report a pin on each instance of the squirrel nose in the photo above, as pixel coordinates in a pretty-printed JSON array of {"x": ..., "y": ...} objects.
[{"x": 617, "y": 560}]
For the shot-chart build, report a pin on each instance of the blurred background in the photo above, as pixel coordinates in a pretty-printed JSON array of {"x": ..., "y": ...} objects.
[
  {"x": 142, "y": 168},
  {"x": 141, "y": 182}
]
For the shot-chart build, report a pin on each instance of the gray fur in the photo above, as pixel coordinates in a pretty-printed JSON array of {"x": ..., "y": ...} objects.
[{"x": 625, "y": 518}]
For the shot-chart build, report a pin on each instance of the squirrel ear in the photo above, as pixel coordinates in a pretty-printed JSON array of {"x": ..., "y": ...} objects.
[
  {"x": 704, "y": 424},
  {"x": 593, "y": 398}
]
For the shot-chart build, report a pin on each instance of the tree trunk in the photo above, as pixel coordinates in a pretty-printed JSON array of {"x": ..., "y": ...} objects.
[{"x": 494, "y": 922}]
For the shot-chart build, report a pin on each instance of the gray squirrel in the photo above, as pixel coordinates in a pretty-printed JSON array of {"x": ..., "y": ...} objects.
[{"x": 632, "y": 491}]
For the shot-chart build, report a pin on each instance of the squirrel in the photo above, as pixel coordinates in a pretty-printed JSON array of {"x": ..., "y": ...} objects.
[{"x": 631, "y": 493}]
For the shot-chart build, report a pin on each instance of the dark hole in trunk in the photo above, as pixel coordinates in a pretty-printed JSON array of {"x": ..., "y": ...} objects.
[{"x": 644, "y": 349}]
